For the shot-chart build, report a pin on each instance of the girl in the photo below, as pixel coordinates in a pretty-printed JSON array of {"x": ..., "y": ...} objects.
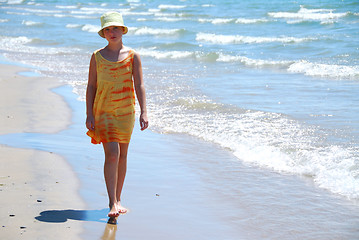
[{"x": 115, "y": 74}]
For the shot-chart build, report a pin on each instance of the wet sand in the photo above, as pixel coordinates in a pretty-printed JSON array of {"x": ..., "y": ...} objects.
[{"x": 33, "y": 182}]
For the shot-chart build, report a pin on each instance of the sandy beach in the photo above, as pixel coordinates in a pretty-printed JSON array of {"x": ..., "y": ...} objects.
[
  {"x": 33, "y": 182},
  {"x": 47, "y": 193}
]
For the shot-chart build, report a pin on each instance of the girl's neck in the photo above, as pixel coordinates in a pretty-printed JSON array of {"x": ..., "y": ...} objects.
[{"x": 115, "y": 47}]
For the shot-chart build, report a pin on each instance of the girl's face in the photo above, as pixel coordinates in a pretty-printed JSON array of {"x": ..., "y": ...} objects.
[{"x": 113, "y": 33}]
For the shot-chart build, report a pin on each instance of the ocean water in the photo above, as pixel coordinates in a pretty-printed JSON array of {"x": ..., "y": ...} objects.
[{"x": 275, "y": 83}]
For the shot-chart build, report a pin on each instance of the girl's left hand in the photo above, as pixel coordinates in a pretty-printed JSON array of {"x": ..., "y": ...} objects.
[
  {"x": 143, "y": 121},
  {"x": 90, "y": 122}
]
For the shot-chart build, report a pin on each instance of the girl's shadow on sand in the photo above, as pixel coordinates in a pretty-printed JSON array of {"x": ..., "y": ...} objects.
[{"x": 60, "y": 216}]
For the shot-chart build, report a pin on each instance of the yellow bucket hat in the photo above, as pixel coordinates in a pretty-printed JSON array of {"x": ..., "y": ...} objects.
[{"x": 112, "y": 19}]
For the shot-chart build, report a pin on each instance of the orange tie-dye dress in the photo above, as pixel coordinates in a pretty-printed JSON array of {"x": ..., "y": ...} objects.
[{"x": 114, "y": 105}]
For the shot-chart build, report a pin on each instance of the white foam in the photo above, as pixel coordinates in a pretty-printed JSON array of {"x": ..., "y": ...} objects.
[
  {"x": 154, "y": 10},
  {"x": 237, "y": 39},
  {"x": 128, "y": 13},
  {"x": 82, "y": 16},
  {"x": 161, "y": 14},
  {"x": 136, "y": 5},
  {"x": 7, "y": 42},
  {"x": 66, "y": 6},
  {"x": 61, "y": 15},
  {"x": 208, "y": 5},
  {"x": 31, "y": 23},
  {"x": 41, "y": 11},
  {"x": 91, "y": 10},
  {"x": 90, "y": 28},
  {"x": 18, "y": 13},
  {"x": 88, "y": 12},
  {"x": 324, "y": 70},
  {"x": 222, "y": 20},
  {"x": 73, "y": 25},
  {"x": 264, "y": 139},
  {"x": 165, "y": 54},
  {"x": 300, "y": 66},
  {"x": 20, "y": 45},
  {"x": 304, "y": 14},
  {"x": 15, "y": 1},
  {"x": 231, "y": 20},
  {"x": 335, "y": 171},
  {"x": 35, "y": 4},
  {"x": 153, "y": 31},
  {"x": 253, "y": 62},
  {"x": 167, "y": 6},
  {"x": 4, "y": 20},
  {"x": 250, "y": 21},
  {"x": 168, "y": 19}
]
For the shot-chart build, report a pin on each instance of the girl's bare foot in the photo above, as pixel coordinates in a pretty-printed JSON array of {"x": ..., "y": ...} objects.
[
  {"x": 121, "y": 209},
  {"x": 114, "y": 211},
  {"x": 112, "y": 221}
]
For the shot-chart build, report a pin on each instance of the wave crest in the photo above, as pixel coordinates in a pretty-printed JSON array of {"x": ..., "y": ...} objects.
[
  {"x": 324, "y": 70},
  {"x": 304, "y": 14},
  {"x": 154, "y": 31},
  {"x": 237, "y": 39}
]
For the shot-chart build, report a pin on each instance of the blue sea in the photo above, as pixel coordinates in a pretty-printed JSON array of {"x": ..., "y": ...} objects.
[{"x": 274, "y": 83}]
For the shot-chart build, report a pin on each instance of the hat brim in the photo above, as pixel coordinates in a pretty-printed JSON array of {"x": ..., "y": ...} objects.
[{"x": 109, "y": 24}]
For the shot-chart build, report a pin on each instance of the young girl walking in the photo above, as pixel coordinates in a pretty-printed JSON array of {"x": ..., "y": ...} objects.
[{"x": 115, "y": 74}]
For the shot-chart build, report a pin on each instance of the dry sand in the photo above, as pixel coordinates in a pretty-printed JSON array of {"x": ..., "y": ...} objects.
[{"x": 34, "y": 183}]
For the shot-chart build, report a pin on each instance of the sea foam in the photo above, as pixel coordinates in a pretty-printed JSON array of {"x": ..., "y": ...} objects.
[
  {"x": 324, "y": 70},
  {"x": 253, "y": 62},
  {"x": 66, "y": 7},
  {"x": 31, "y": 23},
  {"x": 264, "y": 139},
  {"x": 304, "y": 14},
  {"x": 9, "y": 42},
  {"x": 153, "y": 31},
  {"x": 333, "y": 71},
  {"x": 15, "y": 1},
  {"x": 90, "y": 28},
  {"x": 167, "y": 6},
  {"x": 73, "y": 25},
  {"x": 238, "y": 39},
  {"x": 165, "y": 54},
  {"x": 232, "y": 20}
]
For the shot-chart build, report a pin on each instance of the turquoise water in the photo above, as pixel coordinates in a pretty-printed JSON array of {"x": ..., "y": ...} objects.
[{"x": 275, "y": 83}]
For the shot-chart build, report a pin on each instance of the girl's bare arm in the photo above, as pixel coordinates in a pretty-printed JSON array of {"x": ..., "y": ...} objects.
[
  {"x": 140, "y": 90},
  {"x": 91, "y": 93}
]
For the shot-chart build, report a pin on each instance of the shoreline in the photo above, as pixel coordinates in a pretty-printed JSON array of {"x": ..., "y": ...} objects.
[
  {"x": 34, "y": 182},
  {"x": 177, "y": 186}
]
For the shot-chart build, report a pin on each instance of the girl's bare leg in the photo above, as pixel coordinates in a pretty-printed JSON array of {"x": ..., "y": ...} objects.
[
  {"x": 112, "y": 153},
  {"x": 121, "y": 174}
]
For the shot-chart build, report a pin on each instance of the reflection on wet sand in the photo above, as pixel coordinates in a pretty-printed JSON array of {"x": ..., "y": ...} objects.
[{"x": 110, "y": 230}]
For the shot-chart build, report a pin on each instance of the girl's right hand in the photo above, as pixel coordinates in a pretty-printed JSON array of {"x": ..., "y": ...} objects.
[{"x": 90, "y": 123}]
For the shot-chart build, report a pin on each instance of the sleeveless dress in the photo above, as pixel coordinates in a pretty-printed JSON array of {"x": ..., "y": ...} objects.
[{"x": 114, "y": 104}]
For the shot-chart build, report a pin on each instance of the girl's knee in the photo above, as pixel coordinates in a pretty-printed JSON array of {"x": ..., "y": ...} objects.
[
  {"x": 111, "y": 158},
  {"x": 123, "y": 152},
  {"x": 123, "y": 158},
  {"x": 111, "y": 152}
]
